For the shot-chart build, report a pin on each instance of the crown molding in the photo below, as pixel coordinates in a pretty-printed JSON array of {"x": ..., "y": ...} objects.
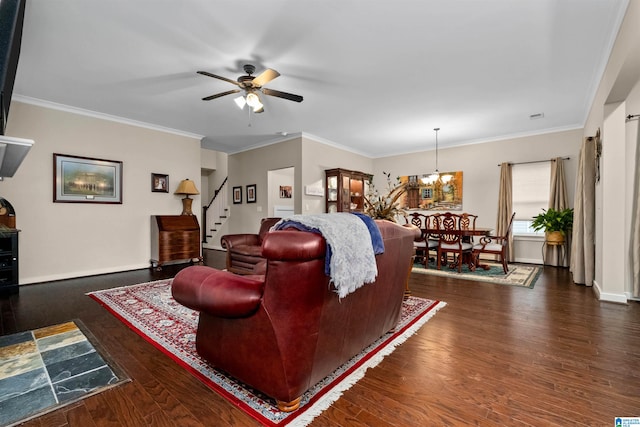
[{"x": 102, "y": 116}]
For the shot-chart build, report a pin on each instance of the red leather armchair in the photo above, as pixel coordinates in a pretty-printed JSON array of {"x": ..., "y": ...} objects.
[
  {"x": 244, "y": 251},
  {"x": 284, "y": 331}
]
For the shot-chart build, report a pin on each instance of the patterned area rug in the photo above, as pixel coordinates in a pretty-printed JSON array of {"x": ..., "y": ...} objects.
[
  {"x": 45, "y": 369},
  {"x": 150, "y": 310},
  {"x": 518, "y": 275}
]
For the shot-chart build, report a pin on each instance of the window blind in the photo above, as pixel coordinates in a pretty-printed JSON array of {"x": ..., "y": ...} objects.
[{"x": 530, "y": 189}]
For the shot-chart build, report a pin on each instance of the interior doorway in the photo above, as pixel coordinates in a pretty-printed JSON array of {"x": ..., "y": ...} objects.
[{"x": 281, "y": 197}]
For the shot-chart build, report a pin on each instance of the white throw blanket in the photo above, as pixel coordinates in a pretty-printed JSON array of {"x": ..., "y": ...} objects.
[{"x": 353, "y": 262}]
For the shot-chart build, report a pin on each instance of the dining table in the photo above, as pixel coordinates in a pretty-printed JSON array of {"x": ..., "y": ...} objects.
[{"x": 467, "y": 235}]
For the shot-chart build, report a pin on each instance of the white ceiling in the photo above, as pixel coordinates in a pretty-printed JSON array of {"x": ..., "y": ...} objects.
[{"x": 376, "y": 76}]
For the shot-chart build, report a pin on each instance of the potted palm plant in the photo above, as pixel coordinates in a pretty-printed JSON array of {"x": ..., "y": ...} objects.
[{"x": 555, "y": 223}]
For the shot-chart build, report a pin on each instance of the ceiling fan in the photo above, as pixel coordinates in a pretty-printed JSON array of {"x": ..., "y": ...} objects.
[{"x": 252, "y": 86}]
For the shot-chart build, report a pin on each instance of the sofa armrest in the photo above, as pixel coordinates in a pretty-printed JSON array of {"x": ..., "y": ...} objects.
[
  {"x": 216, "y": 292},
  {"x": 230, "y": 240},
  {"x": 293, "y": 245}
]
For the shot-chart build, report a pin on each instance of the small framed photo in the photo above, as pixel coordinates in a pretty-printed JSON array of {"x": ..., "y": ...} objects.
[
  {"x": 159, "y": 183},
  {"x": 237, "y": 195},
  {"x": 86, "y": 180},
  {"x": 251, "y": 193},
  {"x": 285, "y": 191}
]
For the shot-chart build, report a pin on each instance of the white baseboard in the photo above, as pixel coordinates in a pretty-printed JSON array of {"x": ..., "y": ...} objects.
[
  {"x": 529, "y": 260},
  {"x": 213, "y": 246},
  {"x": 607, "y": 296},
  {"x": 75, "y": 274}
]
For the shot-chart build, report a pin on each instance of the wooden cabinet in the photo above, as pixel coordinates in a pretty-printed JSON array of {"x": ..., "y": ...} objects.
[
  {"x": 8, "y": 261},
  {"x": 345, "y": 189},
  {"x": 174, "y": 238}
]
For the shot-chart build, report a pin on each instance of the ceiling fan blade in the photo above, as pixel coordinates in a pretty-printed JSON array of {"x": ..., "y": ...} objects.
[
  {"x": 205, "y": 73},
  {"x": 265, "y": 77},
  {"x": 285, "y": 95},
  {"x": 218, "y": 95}
]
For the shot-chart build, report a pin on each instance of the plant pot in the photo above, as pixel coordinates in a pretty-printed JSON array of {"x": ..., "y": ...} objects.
[{"x": 554, "y": 237}]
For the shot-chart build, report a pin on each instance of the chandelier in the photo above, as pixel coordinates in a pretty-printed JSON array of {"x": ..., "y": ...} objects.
[{"x": 435, "y": 176}]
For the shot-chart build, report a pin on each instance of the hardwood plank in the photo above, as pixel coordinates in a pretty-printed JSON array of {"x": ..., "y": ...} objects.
[{"x": 80, "y": 417}]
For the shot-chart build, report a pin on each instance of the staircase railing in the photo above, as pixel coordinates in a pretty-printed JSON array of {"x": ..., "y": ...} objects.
[{"x": 215, "y": 212}]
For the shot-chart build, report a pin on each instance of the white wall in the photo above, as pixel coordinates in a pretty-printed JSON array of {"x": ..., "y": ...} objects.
[
  {"x": 617, "y": 96},
  {"x": 632, "y": 157},
  {"x": 63, "y": 240}
]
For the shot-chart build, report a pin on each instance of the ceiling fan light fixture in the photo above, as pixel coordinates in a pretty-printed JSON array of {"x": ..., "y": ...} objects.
[
  {"x": 250, "y": 85},
  {"x": 253, "y": 101},
  {"x": 240, "y": 102}
]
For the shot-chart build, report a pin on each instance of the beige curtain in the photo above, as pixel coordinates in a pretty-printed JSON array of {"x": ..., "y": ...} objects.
[
  {"x": 584, "y": 209},
  {"x": 505, "y": 205},
  {"x": 635, "y": 221},
  {"x": 557, "y": 255}
]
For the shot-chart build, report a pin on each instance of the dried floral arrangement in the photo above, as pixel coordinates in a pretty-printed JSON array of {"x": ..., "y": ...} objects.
[{"x": 385, "y": 206}]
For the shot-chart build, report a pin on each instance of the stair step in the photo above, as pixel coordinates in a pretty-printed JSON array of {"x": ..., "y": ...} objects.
[
  {"x": 217, "y": 223},
  {"x": 223, "y": 216},
  {"x": 207, "y": 236}
]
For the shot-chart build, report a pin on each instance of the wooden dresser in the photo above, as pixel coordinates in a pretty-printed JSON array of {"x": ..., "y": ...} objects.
[{"x": 174, "y": 238}]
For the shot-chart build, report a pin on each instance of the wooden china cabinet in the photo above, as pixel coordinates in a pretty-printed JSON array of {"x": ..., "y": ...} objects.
[{"x": 345, "y": 189}]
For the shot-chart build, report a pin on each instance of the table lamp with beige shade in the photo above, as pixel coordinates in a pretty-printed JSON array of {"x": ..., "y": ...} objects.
[{"x": 187, "y": 187}]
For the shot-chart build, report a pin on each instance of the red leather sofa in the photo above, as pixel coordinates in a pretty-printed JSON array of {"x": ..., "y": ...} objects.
[
  {"x": 284, "y": 331},
  {"x": 244, "y": 251}
]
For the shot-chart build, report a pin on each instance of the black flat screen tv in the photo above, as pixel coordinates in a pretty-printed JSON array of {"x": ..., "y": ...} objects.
[{"x": 11, "y": 22}]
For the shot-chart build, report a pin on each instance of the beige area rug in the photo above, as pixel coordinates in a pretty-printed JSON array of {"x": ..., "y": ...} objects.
[{"x": 524, "y": 275}]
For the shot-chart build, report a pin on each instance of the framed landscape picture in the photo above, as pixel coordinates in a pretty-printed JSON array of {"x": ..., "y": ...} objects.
[{"x": 86, "y": 180}]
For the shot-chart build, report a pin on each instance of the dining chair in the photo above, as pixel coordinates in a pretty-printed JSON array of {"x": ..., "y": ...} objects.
[
  {"x": 496, "y": 245},
  {"x": 450, "y": 240},
  {"x": 422, "y": 245},
  {"x": 468, "y": 221}
]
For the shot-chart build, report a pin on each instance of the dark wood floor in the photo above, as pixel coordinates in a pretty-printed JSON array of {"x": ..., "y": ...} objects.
[{"x": 495, "y": 356}]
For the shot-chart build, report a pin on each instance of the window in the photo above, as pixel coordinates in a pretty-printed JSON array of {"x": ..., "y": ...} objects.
[{"x": 530, "y": 191}]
